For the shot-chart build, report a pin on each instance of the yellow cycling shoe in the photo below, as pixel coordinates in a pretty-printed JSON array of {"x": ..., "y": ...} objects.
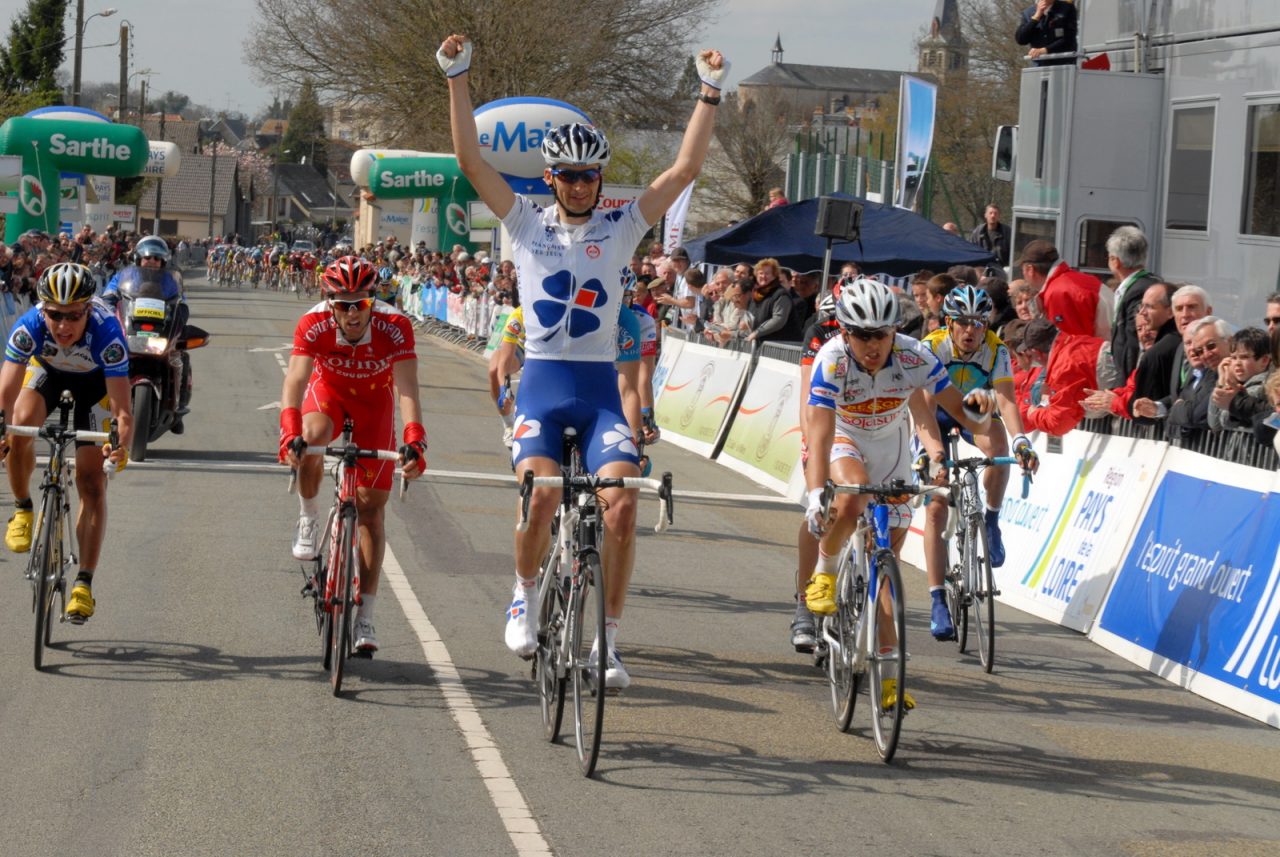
[
  {"x": 18, "y": 537},
  {"x": 889, "y": 696},
  {"x": 80, "y": 605},
  {"x": 820, "y": 594}
]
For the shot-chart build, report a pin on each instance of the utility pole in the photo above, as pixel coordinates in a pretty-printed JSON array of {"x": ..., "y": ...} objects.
[
  {"x": 213, "y": 179},
  {"x": 124, "y": 74},
  {"x": 159, "y": 181},
  {"x": 142, "y": 102},
  {"x": 75, "y": 74}
]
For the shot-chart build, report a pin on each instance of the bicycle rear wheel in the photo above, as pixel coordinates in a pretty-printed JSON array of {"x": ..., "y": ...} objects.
[
  {"x": 889, "y": 662},
  {"x": 551, "y": 629},
  {"x": 46, "y": 561},
  {"x": 588, "y": 667},
  {"x": 844, "y": 679},
  {"x": 346, "y": 555},
  {"x": 981, "y": 586}
]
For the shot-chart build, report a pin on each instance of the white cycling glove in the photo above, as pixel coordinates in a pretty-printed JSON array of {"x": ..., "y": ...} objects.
[
  {"x": 455, "y": 65},
  {"x": 813, "y": 513},
  {"x": 926, "y": 467},
  {"x": 712, "y": 77}
]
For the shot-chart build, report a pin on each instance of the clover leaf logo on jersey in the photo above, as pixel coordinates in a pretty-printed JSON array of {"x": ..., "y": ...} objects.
[{"x": 573, "y": 306}]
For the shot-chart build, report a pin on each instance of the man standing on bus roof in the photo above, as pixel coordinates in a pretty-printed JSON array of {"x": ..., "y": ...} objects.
[{"x": 1049, "y": 27}]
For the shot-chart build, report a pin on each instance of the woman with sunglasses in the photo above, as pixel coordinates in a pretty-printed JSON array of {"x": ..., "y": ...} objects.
[
  {"x": 353, "y": 356},
  {"x": 68, "y": 341},
  {"x": 569, "y": 263},
  {"x": 862, "y": 386}
]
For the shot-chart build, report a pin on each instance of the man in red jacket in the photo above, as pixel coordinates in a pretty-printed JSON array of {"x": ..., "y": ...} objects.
[
  {"x": 1071, "y": 367},
  {"x": 1071, "y": 299}
]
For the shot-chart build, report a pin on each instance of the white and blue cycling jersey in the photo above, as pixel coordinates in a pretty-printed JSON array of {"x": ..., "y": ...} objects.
[
  {"x": 102, "y": 347},
  {"x": 571, "y": 278},
  {"x": 866, "y": 404}
]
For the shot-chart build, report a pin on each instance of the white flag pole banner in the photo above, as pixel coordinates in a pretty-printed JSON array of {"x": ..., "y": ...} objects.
[
  {"x": 917, "y": 112},
  {"x": 676, "y": 216}
]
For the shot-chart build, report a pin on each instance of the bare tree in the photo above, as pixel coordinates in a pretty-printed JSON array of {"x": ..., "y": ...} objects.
[
  {"x": 380, "y": 54},
  {"x": 752, "y": 143}
]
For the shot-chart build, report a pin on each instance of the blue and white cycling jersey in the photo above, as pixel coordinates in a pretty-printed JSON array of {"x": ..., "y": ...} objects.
[
  {"x": 628, "y": 336},
  {"x": 102, "y": 347},
  {"x": 571, "y": 278}
]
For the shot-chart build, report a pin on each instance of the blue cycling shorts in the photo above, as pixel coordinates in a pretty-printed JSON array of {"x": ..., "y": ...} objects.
[{"x": 555, "y": 394}]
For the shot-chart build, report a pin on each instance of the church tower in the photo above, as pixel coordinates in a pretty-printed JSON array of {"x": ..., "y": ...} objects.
[{"x": 944, "y": 53}]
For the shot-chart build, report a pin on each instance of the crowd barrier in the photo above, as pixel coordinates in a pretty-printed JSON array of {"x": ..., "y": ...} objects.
[{"x": 1165, "y": 555}]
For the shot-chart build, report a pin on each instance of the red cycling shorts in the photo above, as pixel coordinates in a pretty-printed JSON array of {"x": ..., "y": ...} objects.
[{"x": 375, "y": 428}]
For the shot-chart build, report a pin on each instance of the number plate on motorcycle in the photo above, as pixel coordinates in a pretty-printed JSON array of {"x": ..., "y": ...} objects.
[{"x": 148, "y": 308}]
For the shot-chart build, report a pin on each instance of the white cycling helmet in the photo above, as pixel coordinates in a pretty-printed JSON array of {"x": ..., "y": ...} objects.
[
  {"x": 866, "y": 304},
  {"x": 576, "y": 144}
]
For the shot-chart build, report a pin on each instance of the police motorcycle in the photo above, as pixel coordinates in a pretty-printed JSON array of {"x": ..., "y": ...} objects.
[{"x": 152, "y": 312}]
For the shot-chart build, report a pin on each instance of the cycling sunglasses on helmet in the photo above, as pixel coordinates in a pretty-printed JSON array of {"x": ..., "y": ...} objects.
[{"x": 572, "y": 177}]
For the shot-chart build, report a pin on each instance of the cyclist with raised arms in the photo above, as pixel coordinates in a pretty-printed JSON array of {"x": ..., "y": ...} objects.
[
  {"x": 980, "y": 368},
  {"x": 862, "y": 386},
  {"x": 68, "y": 341},
  {"x": 568, "y": 258},
  {"x": 353, "y": 356}
]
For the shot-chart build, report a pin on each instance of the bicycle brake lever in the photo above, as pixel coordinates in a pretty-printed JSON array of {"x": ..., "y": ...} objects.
[
  {"x": 1026, "y": 484},
  {"x": 667, "y": 496},
  {"x": 526, "y": 491}
]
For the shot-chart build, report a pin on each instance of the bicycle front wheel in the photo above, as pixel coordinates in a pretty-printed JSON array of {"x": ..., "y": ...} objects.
[
  {"x": 959, "y": 594},
  {"x": 346, "y": 555},
  {"x": 551, "y": 629},
  {"x": 981, "y": 586},
  {"x": 46, "y": 562},
  {"x": 890, "y": 661},
  {"x": 589, "y": 659}
]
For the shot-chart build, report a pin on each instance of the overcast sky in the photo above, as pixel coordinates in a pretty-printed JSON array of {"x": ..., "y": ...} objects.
[{"x": 196, "y": 47}]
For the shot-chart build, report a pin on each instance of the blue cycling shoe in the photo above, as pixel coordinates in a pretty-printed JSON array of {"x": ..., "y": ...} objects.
[
  {"x": 940, "y": 619},
  {"x": 995, "y": 544}
]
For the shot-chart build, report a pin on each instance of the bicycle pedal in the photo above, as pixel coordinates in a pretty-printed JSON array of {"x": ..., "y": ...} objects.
[
  {"x": 995, "y": 592},
  {"x": 74, "y": 619},
  {"x": 363, "y": 654}
]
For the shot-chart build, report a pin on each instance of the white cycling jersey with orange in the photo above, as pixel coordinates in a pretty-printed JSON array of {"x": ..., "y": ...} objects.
[{"x": 867, "y": 403}]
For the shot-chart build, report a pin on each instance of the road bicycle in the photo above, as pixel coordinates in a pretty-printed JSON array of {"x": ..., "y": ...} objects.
[
  {"x": 970, "y": 584},
  {"x": 332, "y": 579},
  {"x": 54, "y": 548},
  {"x": 572, "y": 654},
  {"x": 849, "y": 640}
]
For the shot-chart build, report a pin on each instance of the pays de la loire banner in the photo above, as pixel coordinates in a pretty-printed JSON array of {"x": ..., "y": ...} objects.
[
  {"x": 1063, "y": 542},
  {"x": 764, "y": 439},
  {"x": 697, "y": 394},
  {"x": 1197, "y": 597}
]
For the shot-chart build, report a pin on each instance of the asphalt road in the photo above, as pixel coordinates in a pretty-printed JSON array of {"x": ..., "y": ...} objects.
[{"x": 190, "y": 716}]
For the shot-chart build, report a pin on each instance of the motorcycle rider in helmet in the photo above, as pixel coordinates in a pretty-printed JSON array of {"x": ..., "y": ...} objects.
[{"x": 150, "y": 253}]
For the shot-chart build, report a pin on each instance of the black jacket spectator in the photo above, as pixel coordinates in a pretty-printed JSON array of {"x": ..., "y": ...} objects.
[
  {"x": 1124, "y": 331},
  {"x": 1189, "y": 413},
  {"x": 771, "y": 315},
  {"x": 1055, "y": 32},
  {"x": 995, "y": 242},
  {"x": 1155, "y": 370}
]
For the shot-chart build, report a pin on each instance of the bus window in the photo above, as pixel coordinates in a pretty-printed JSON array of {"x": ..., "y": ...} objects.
[
  {"x": 1262, "y": 172},
  {"x": 1028, "y": 229},
  {"x": 1092, "y": 255},
  {"x": 1190, "y": 169}
]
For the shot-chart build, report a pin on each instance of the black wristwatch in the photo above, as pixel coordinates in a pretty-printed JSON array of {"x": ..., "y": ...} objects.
[{"x": 713, "y": 100}]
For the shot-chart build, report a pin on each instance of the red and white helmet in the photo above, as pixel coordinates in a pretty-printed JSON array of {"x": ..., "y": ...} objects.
[{"x": 348, "y": 275}]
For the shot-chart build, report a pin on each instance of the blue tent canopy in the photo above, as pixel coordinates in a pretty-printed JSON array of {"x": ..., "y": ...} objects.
[{"x": 895, "y": 241}]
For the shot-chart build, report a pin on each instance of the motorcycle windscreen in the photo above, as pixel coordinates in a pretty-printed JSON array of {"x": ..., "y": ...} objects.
[{"x": 142, "y": 283}]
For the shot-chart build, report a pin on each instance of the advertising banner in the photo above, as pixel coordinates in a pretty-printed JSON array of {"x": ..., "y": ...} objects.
[
  {"x": 764, "y": 438},
  {"x": 104, "y": 187},
  {"x": 667, "y": 357},
  {"x": 917, "y": 109},
  {"x": 10, "y": 179},
  {"x": 697, "y": 394},
  {"x": 98, "y": 216},
  {"x": 69, "y": 198},
  {"x": 510, "y": 132},
  {"x": 125, "y": 215},
  {"x": 426, "y": 223},
  {"x": 1197, "y": 597},
  {"x": 677, "y": 214}
]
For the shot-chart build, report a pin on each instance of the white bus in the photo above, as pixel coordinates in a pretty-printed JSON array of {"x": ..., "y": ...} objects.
[{"x": 1181, "y": 137}]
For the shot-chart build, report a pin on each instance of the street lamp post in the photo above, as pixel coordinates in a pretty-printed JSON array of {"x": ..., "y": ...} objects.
[{"x": 81, "y": 23}]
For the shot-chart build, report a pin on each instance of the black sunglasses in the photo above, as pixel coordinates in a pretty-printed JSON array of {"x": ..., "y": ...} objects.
[
  {"x": 863, "y": 335},
  {"x": 56, "y": 316},
  {"x": 572, "y": 177},
  {"x": 350, "y": 306},
  {"x": 1270, "y": 320}
]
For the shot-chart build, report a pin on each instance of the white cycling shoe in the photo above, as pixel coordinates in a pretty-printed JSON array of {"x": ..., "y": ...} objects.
[
  {"x": 304, "y": 538},
  {"x": 366, "y": 638},
  {"x": 522, "y": 621}
]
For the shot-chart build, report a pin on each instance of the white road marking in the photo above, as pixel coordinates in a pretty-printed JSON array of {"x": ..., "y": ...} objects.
[
  {"x": 519, "y": 822},
  {"x": 272, "y": 406},
  {"x": 281, "y": 348}
]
